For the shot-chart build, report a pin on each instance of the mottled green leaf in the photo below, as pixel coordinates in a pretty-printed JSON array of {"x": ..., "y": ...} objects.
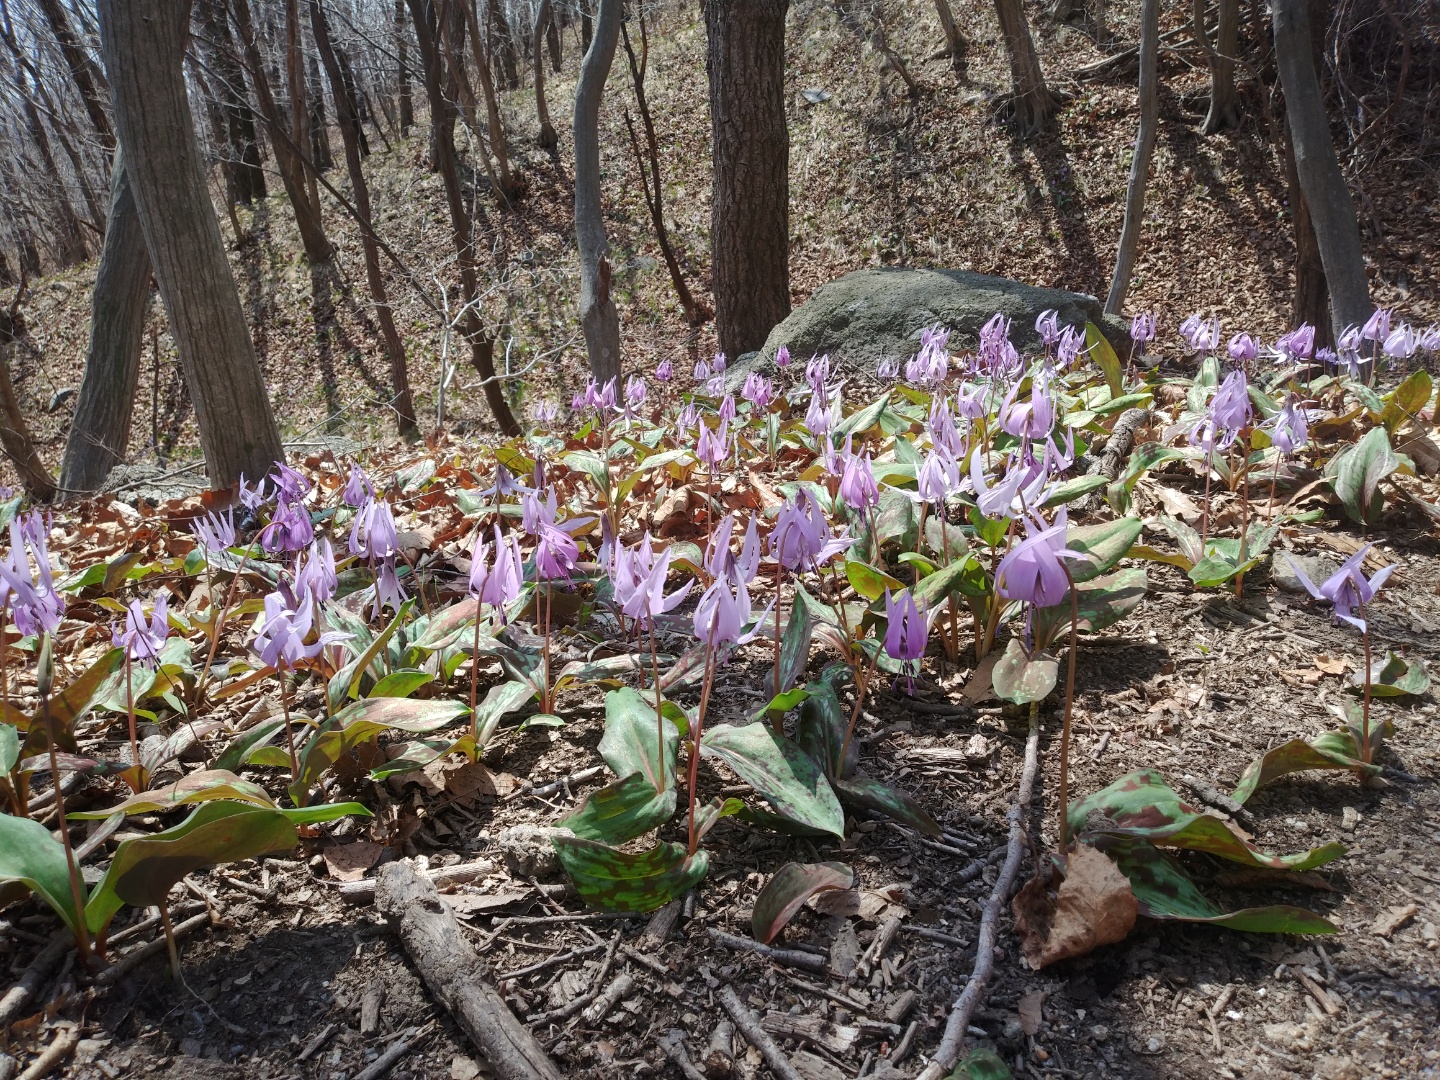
[
  {"x": 794, "y": 647},
  {"x": 1019, "y": 678},
  {"x": 621, "y": 811},
  {"x": 635, "y": 741},
  {"x": 788, "y": 889},
  {"x": 1332, "y": 750},
  {"x": 401, "y": 684},
  {"x": 1067, "y": 491},
  {"x": 779, "y": 771},
  {"x": 1396, "y": 676},
  {"x": 204, "y": 786},
  {"x": 500, "y": 699},
  {"x": 1102, "y": 603},
  {"x": 623, "y": 881},
  {"x": 883, "y": 799},
  {"x": 67, "y": 706},
  {"x": 820, "y": 732},
  {"x": 896, "y": 519},
  {"x": 1357, "y": 474},
  {"x": 1102, "y": 545},
  {"x": 868, "y": 581},
  {"x": 710, "y": 815}
]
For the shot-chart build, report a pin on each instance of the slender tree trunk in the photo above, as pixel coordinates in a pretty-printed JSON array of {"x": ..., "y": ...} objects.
[
  {"x": 498, "y": 144},
  {"x": 1032, "y": 104},
  {"x": 1310, "y": 302},
  {"x": 300, "y": 133},
  {"x": 94, "y": 91},
  {"x": 352, "y": 96},
  {"x": 544, "y": 20},
  {"x": 244, "y": 164},
  {"x": 100, "y": 428},
  {"x": 442, "y": 123},
  {"x": 955, "y": 43},
  {"x": 1144, "y": 151},
  {"x": 649, "y": 161},
  {"x": 598, "y": 317},
  {"x": 402, "y": 53},
  {"x": 750, "y": 204},
  {"x": 1221, "y": 114},
  {"x": 552, "y": 41},
  {"x": 319, "y": 130},
  {"x": 1336, "y": 228},
  {"x": 15, "y": 437},
  {"x": 504, "y": 46},
  {"x": 404, "y": 403},
  {"x": 287, "y": 151},
  {"x": 143, "y": 44}
]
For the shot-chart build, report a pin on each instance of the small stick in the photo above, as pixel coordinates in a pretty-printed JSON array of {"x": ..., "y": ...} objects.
[
  {"x": 825, "y": 992},
  {"x": 902, "y": 1050},
  {"x": 612, "y": 996},
  {"x": 748, "y": 1025},
  {"x": 672, "y": 1042},
  {"x": 574, "y": 954},
  {"x": 644, "y": 960},
  {"x": 314, "y": 1045},
  {"x": 556, "y": 786},
  {"x": 386, "y": 1061},
  {"x": 883, "y": 937},
  {"x": 170, "y": 938},
  {"x": 937, "y": 935},
  {"x": 572, "y": 1007},
  {"x": 976, "y": 868},
  {"x": 788, "y": 957},
  {"x": 33, "y": 978},
  {"x": 363, "y": 891},
  {"x": 130, "y": 961},
  {"x": 60, "y": 1048}
]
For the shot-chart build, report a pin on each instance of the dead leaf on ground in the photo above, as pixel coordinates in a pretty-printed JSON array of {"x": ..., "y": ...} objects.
[
  {"x": 1393, "y": 919},
  {"x": 1178, "y": 504},
  {"x": 978, "y": 687},
  {"x": 1093, "y": 906},
  {"x": 1029, "y": 1009},
  {"x": 1332, "y": 665},
  {"x": 351, "y": 862}
]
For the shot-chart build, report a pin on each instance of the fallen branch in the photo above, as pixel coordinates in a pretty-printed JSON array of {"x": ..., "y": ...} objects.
[
  {"x": 131, "y": 960},
  {"x": 572, "y": 1007},
  {"x": 452, "y": 971},
  {"x": 748, "y": 1025},
  {"x": 60, "y": 1048},
  {"x": 33, "y": 977},
  {"x": 363, "y": 891},
  {"x": 945, "y": 1056},
  {"x": 387, "y": 1061},
  {"x": 673, "y": 1043},
  {"x": 1107, "y": 463},
  {"x": 788, "y": 957}
]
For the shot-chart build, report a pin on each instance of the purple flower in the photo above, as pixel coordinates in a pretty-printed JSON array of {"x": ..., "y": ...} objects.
[
  {"x": 1377, "y": 327},
  {"x": 664, "y": 371},
  {"x": 1299, "y": 344},
  {"x": 802, "y": 535},
  {"x": 1200, "y": 334},
  {"x": 1047, "y": 325},
  {"x": 290, "y": 485},
  {"x": 758, "y": 390},
  {"x": 545, "y": 413},
  {"x": 1056, "y": 460},
  {"x": 817, "y": 373},
  {"x": 357, "y": 488},
  {"x": 782, "y": 357},
  {"x": 537, "y": 512},
  {"x": 1430, "y": 339},
  {"x": 689, "y": 417},
  {"x": 37, "y": 606},
  {"x": 316, "y": 575},
  {"x": 1243, "y": 348},
  {"x": 906, "y": 633},
  {"x": 646, "y": 598},
  {"x": 713, "y": 445},
  {"x": 970, "y": 401},
  {"x": 372, "y": 535},
  {"x": 143, "y": 641},
  {"x": 887, "y": 369},
  {"x": 1033, "y": 419},
  {"x": 857, "y": 483},
  {"x": 943, "y": 432},
  {"x": 938, "y": 476},
  {"x": 718, "y": 364},
  {"x": 600, "y": 398},
  {"x": 252, "y": 498},
  {"x": 720, "y": 561},
  {"x": 723, "y": 612},
  {"x": 702, "y": 371},
  {"x": 634, "y": 394},
  {"x": 388, "y": 591},
  {"x": 216, "y": 531},
  {"x": 506, "y": 576},
  {"x": 997, "y": 502},
  {"x": 1289, "y": 428},
  {"x": 1142, "y": 331},
  {"x": 818, "y": 419},
  {"x": 479, "y": 567},
  {"x": 1400, "y": 343},
  {"x": 1069, "y": 346},
  {"x": 281, "y": 640},
  {"x": 726, "y": 411},
  {"x": 1032, "y": 572},
  {"x": 715, "y": 385},
  {"x": 555, "y": 553},
  {"x": 1228, "y": 413},
  {"x": 289, "y": 530},
  {"x": 1346, "y": 589}
]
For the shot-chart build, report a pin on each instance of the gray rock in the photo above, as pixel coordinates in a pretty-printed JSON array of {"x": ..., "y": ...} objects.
[
  {"x": 527, "y": 851},
  {"x": 1316, "y": 567},
  {"x": 868, "y": 315}
]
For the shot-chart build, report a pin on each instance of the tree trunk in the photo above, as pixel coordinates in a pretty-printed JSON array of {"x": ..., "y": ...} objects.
[
  {"x": 143, "y": 44},
  {"x": 954, "y": 41},
  {"x": 15, "y": 437},
  {"x": 552, "y": 41},
  {"x": 1221, "y": 115},
  {"x": 403, "y": 402},
  {"x": 1032, "y": 104},
  {"x": 1144, "y": 151},
  {"x": 544, "y": 21},
  {"x": 598, "y": 317},
  {"x": 442, "y": 125},
  {"x": 503, "y": 44},
  {"x": 300, "y": 133},
  {"x": 243, "y": 165},
  {"x": 750, "y": 148},
  {"x": 354, "y": 100},
  {"x": 319, "y": 130},
  {"x": 402, "y": 52},
  {"x": 100, "y": 428},
  {"x": 498, "y": 144},
  {"x": 287, "y": 151},
  {"x": 1310, "y": 302},
  {"x": 94, "y": 91},
  {"x": 1331, "y": 207}
]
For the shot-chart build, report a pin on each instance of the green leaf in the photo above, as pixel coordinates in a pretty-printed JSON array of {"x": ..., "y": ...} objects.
[
  {"x": 1164, "y": 891},
  {"x": 1332, "y": 750},
  {"x": 145, "y": 868},
  {"x": 862, "y": 419},
  {"x": 1102, "y": 603},
  {"x": 779, "y": 771},
  {"x": 621, "y": 811},
  {"x": 1021, "y": 679},
  {"x": 897, "y": 519},
  {"x": 870, "y": 582},
  {"x": 1396, "y": 677},
  {"x": 710, "y": 815},
  {"x": 991, "y": 531},
  {"x": 1069, "y": 490},
  {"x": 204, "y": 786},
  {"x": 981, "y": 1063},
  {"x": 345, "y": 683},
  {"x": 794, "y": 647},
  {"x": 892, "y": 802},
  {"x": 1142, "y": 806},
  {"x": 238, "y": 752},
  {"x": 621, "y": 881},
  {"x": 1358, "y": 471},
  {"x": 444, "y": 627},
  {"x": 780, "y": 704},
  {"x": 635, "y": 742},
  {"x": 607, "y": 670},
  {"x": 788, "y": 889},
  {"x": 1406, "y": 401},
  {"x": 401, "y": 684},
  {"x": 67, "y": 706},
  {"x": 1103, "y": 546},
  {"x": 590, "y": 464},
  {"x": 500, "y": 699},
  {"x": 965, "y": 575},
  {"x": 31, "y": 856},
  {"x": 820, "y": 732},
  {"x": 9, "y": 747},
  {"x": 1104, "y": 356}
]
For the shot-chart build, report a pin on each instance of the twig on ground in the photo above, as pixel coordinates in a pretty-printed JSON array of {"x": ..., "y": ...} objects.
[
  {"x": 33, "y": 977},
  {"x": 130, "y": 961},
  {"x": 60, "y": 1048},
  {"x": 570, "y": 1008},
  {"x": 613, "y": 994},
  {"x": 788, "y": 957},
  {"x": 673, "y": 1043},
  {"x": 748, "y": 1025},
  {"x": 561, "y": 958},
  {"x": 387, "y": 1061},
  {"x": 948, "y": 1052},
  {"x": 363, "y": 891}
]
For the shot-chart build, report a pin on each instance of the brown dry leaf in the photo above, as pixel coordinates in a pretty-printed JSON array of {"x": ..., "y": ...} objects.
[
  {"x": 468, "y": 905},
  {"x": 1332, "y": 665},
  {"x": 978, "y": 687},
  {"x": 1093, "y": 906},
  {"x": 1029, "y": 1009},
  {"x": 843, "y": 902},
  {"x": 1393, "y": 919},
  {"x": 1178, "y": 504},
  {"x": 351, "y": 862}
]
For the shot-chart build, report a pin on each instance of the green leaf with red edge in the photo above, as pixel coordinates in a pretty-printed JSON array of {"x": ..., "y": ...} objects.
[
  {"x": 710, "y": 815},
  {"x": 31, "y": 857},
  {"x": 1164, "y": 891},
  {"x": 1103, "y": 546},
  {"x": 1332, "y": 750},
  {"x": 1396, "y": 676},
  {"x": 621, "y": 811},
  {"x": 686, "y": 671},
  {"x": 1103, "y": 603},
  {"x": 794, "y": 647},
  {"x": 204, "y": 786},
  {"x": 500, "y": 699},
  {"x": 627, "y": 881},
  {"x": 782, "y": 773},
  {"x": 788, "y": 889},
  {"x": 884, "y": 799},
  {"x": 634, "y": 742},
  {"x": 1142, "y": 806},
  {"x": 444, "y": 627},
  {"x": 820, "y": 731},
  {"x": 607, "y": 671},
  {"x": 1019, "y": 678},
  {"x": 67, "y": 706},
  {"x": 417, "y": 753},
  {"x": 1356, "y": 473},
  {"x": 870, "y": 582}
]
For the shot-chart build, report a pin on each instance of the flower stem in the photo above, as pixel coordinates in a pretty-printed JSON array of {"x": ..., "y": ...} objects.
[
  {"x": 220, "y": 622},
  {"x": 1365, "y": 751},
  {"x": 77, "y": 888},
  {"x": 289, "y": 731},
  {"x": 1244, "y": 516},
  {"x": 659, "y": 701},
  {"x": 475, "y": 660},
  {"x": 695, "y": 731},
  {"x": 860, "y": 688},
  {"x": 779, "y": 570},
  {"x": 137, "y": 784},
  {"x": 1069, "y": 705},
  {"x": 1205, "y": 513},
  {"x": 545, "y": 704}
]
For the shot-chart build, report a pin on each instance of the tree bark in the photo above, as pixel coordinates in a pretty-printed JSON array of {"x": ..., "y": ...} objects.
[
  {"x": 503, "y": 44},
  {"x": 1221, "y": 115},
  {"x": 544, "y": 20},
  {"x": 499, "y": 146},
  {"x": 100, "y": 427},
  {"x": 356, "y": 100},
  {"x": 403, "y": 402},
  {"x": 750, "y": 148},
  {"x": 300, "y": 133},
  {"x": 319, "y": 130},
  {"x": 552, "y": 41},
  {"x": 1032, "y": 104},
  {"x": 402, "y": 53},
  {"x": 15, "y": 437},
  {"x": 954, "y": 40},
  {"x": 1144, "y": 151},
  {"x": 287, "y": 152},
  {"x": 1331, "y": 207},
  {"x": 598, "y": 317},
  {"x": 442, "y": 129},
  {"x": 244, "y": 166},
  {"x": 143, "y": 44},
  {"x": 94, "y": 91}
]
